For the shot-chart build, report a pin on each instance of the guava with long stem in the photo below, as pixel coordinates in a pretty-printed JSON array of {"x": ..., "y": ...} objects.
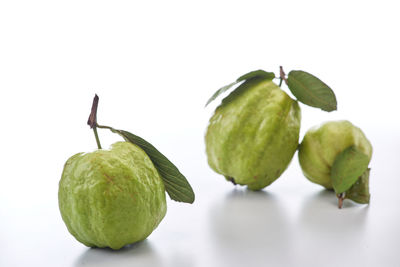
[{"x": 112, "y": 198}]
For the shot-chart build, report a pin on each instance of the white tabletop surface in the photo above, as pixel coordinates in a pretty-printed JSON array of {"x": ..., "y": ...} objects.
[{"x": 290, "y": 223}]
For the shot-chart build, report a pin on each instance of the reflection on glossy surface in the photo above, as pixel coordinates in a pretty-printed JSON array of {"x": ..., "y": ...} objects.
[
  {"x": 249, "y": 227},
  {"x": 139, "y": 254},
  {"x": 322, "y": 226},
  {"x": 320, "y": 214}
]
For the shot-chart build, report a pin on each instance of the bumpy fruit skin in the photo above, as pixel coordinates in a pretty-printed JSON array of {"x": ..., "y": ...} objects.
[
  {"x": 322, "y": 143},
  {"x": 111, "y": 198},
  {"x": 253, "y": 134}
]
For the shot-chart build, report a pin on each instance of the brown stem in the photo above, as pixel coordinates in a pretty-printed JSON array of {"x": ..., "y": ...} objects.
[
  {"x": 93, "y": 114},
  {"x": 92, "y": 121},
  {"x": 340, "y": 200},
  {"x": 232, "y": 180},
  {"x": 282, "y": 76}
]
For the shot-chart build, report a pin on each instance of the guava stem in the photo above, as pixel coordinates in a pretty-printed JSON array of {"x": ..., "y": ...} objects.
[
  {"x": 93, "y": 113},
  {"x": 232, "y": 180},
  {"x": 340, "y": 200},
  {"x": 92, "y": 121},
  {"x": 282, "y": 76},
  {"x": 97, "y": 137}
]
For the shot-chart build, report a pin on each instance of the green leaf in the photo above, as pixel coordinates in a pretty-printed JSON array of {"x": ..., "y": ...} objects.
[
  {"x": 253, "y": 74},
  {"x": 311, "y": 91},
  {"x": 256, "y": 74},
  {"x": 220, "y": 91},
  {"x": 350, "y": 164},
  {"x": 176, "y": 185},
  {"x": 359, "y": 192}
]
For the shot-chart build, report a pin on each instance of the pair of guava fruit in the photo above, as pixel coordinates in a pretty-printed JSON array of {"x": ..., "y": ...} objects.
[{"x": 254, "y": 133}]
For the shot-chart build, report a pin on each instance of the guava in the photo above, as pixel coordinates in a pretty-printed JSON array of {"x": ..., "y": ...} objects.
[
  {"x": 254, "y": 133},
  {"x": 323, "y": 143},
  {"x": 111, "y": 198}
]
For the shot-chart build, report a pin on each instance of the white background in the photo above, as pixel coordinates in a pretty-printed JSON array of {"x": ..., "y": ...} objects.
[{"x": 154, "y": 64}]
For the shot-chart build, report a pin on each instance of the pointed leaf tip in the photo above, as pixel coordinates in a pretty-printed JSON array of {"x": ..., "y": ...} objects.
[
  {"x": 176, "y": 185},
  {"x": 253, "y": 74},
  {"x": 219, "y": 92},
  {"x": 359, "y": 192}
]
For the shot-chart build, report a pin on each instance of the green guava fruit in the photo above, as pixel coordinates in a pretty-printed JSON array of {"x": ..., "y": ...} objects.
[
  {"x": 323, "y": 143},
  {"x": 111, "y": 198},
  {"x": 253, "y": 134}
]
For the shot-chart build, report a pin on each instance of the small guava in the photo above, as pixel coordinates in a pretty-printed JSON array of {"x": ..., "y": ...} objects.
[
  {"x": 111, "y": 198},
  {"x": 253, "y": 134},
  {"x": 323, "y": 143}
]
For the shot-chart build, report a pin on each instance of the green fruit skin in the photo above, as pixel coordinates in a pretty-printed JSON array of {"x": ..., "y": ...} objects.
[
  {"x": 253, "y": 134},
  {"x": 111, "y": 198},
  {"x": 322, "y": 143}
]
